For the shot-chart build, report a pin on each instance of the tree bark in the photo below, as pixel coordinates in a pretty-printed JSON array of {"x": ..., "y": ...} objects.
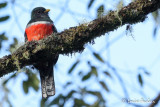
[
  {"x": 155, "y": 101},
  {"x": 73, "y": 39}
]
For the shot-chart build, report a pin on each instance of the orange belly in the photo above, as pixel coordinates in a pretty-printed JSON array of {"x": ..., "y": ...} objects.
[{"x": 39, "y": 31}]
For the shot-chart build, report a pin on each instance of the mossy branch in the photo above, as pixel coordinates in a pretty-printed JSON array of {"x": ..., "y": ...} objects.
[{"x": 73, "y": 39}]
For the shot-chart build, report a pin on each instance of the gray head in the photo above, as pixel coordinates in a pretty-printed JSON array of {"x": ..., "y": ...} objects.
[{"x": 40, "y": 14}]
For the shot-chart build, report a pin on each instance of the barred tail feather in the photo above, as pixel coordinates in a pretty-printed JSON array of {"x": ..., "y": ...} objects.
[
  {"x": 47, "y": 85},
  {"x": 47, "y": 76}
]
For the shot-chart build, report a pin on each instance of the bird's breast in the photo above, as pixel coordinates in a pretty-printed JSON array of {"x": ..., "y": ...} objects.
[{"x": 38, "y": 31}]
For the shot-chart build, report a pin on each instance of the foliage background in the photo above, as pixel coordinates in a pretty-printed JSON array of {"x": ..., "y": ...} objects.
[{"x": 123, "y": 64}]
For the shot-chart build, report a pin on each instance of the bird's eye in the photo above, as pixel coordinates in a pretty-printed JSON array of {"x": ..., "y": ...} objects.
[{"x": 38, "y": 12}]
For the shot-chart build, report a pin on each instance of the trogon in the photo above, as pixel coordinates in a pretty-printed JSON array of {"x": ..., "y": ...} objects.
[{"x": 39, "y": 27}]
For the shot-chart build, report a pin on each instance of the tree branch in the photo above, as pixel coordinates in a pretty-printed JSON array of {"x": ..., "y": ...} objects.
[
  {"x": 156, "y": 100},
  {"x": 73, "y": 39}
]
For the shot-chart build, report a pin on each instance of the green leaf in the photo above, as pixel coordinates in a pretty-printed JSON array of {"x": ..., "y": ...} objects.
[
  {"x": 97, "y": 56},
  {"x": 90, "y": 3},
  {"x": 99, "y": 96},
  {"x": 2, "y": 5},
  {"x": 57, "y": 101},
  {"x": 73, "y": 66},
  {"x": 104, "y": 86},
  {"x": 80, "y": 73},
  {"x": 67, "y": 84},
  {"x": 100, "y": 11},
  {"x": 146, "y": 72},
  {"x": 155, "y": 31},
  {"x": 70, "y": 94},
  {"x": 4, "y": 18},
  {"x": 6, "y": 89},
  {"x": 34, "y": 82},
  {"x": 6, "y": 81},
  {"x": 140, "y": 79},
  {"x": 43, "y": 102},
  {"x": 94, "y": 71},
  {"x": 25, "y": 86},
  {"x": 95, "y": 93},
  {"x": 86, "y": 76},
  {"x": 79, "y": 103},
  {"x": 107, "y": 73},
  {"x": 2, "y": 38},
  {"x": 155, "y": 15},
  {"x": 96, "y": 103}
]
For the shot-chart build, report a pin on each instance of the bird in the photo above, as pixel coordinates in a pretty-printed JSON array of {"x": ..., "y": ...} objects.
[{"x": 40, "y": 26}]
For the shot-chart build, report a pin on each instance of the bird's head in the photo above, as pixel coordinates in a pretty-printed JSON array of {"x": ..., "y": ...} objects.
[{"x": 40, "y": 13}]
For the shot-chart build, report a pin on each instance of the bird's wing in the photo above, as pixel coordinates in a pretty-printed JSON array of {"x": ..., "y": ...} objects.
[
  {"x": 25, "y": 36},
  {"x": 54, "y": 29}
]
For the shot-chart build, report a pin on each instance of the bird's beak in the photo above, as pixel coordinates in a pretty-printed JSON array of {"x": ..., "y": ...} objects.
[{"x": 47, "y": 10}]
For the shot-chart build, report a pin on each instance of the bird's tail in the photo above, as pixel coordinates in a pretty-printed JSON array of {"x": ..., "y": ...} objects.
[
  {"x": 47, "y": 85},
  {"x": 47, "y": 82},
  {"x": 47, "y": 77}
]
